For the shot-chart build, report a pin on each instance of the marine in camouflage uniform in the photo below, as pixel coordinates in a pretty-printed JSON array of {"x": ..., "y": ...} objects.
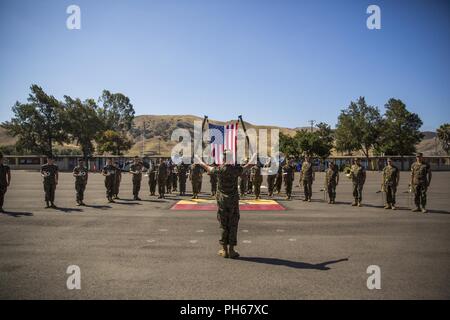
[
  {"x": 358, "y": 176},
  {"x": 227, "y": 203},
  {"x": 307, "y": 177},
  {"x": 389, "y": 183},
  {"x": 174, "y": 177},
  {"x": 162, "y": 179},
  {"x": 331, "y": 182},
  {"x": 80, "y": 172},
  {"x": 49, "y": 172},
  {"x": 279, "y": 179},
  {"x": 213, "y": 181},
  {"x": 136, "y": 170},
  {"x": 182, "y": 169},
  {"x": 109, "y": 172},
  {"x": 420, "y": 181},
  {"x": 288, "y": 170},
  {"x": 169, "y": 183},
  {"x": 5, "y": 180},
  {"x": 152, "y": 179},
  {"x": 271, "y": 176},
  {"x": 257, "y": 178},
  {"x": 243, "y": 181},
  {"x": 117, "y": 181},
  {"x": 196, "y": 178}
]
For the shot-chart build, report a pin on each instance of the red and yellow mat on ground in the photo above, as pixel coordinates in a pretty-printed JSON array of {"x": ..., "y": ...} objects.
[{"x": 211, "y": 205}]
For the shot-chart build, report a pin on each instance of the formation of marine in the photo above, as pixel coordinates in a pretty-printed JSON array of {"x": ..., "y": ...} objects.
[{"x": 230, "y": 182}]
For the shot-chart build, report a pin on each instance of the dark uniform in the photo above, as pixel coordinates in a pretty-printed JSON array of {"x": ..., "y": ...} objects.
[
  {"x": 331, "y": 181},
  {"x": 306, "y": 179},
  {"x": 169, "y": 177},
  {"x": 196, "y": 177},
  {"x": 279, "y": 179},
  {"x": 137, "y": 178},
  {"x": 49, "y": 171},
  {"x": 182, "y": 176},
  {"x": 162, "y": 178},
  {"x": 390, "y": 182},
  {"x": 4, "y": 172},
  {"x": 243, "y": 181},
  {"x": 152, "y": 179},
  {"x": 271, "y": 176},
  {"x": 174, "y": 178},
  {"x": 358, "y": 176},
  {"x": 118, "y": 179},
  {"x": 288, "y": 173},
  {"x": 213, "y": 182},
  {"x": 420, "y": 184},
  {"x": 110, "y": 180},
  {"x": 228, "y": 202},
  {"x": 81, "y": 178},
  {"x": 257, "y": 179}
]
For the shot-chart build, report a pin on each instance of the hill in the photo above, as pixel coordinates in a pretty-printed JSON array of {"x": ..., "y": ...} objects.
[{"x": 160, "y": 127}]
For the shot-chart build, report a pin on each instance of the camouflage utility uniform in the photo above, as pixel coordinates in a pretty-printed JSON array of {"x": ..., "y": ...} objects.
[
  {"x": 196, "y": 177},
  {"x": 288, "y": 173},
  {"x": 49, "y": 171},
  {"x": 182, "y": 176},
  {"x": 228, "y": 202},
  {"x": 257, "y": 179},
  {"x": 307, "y": 178},
  {"x": 331, "y": 181},
  {"x": 420, "y": 183},
  {"x": 4, "y": 171},
  {"x": 110, "y": 180},
  {"x": 152, "y": 179},
  {"x": 358, "y": 176},
  {"x": 81, "y": 178},
  {"x": 389, "y": 184},
  {"x": 162, "y": 179},
  {"x": 137, "y": 178}
]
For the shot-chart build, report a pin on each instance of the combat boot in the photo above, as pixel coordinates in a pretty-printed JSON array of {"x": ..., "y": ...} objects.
[
  {"x": 393, "y": 207},
  {"x": 424, "y": 210},
  {"x": 354, "y": 204},
  {"x": 359, "y": 204},
  {"x": 47, "y": 204},
  {"x": 233, "y": 254},
  {"x": 416, "y": 209},
  {"x": 387, "y": 206},
  {"x": 52, "y": 205}
]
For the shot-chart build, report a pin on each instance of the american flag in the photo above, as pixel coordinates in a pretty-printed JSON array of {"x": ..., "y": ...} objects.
[{"x": 222, "y": 137}]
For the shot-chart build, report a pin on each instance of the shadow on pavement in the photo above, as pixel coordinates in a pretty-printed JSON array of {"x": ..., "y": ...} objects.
[
  {"x": 17, "y": 214},
  {"x": 97, "y": 206},
  {"x": 68, "y": 209},
  {"x": 292, "y": 264}
]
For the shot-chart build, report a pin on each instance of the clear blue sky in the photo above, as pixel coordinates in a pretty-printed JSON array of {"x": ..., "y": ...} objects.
[{"x": 274, "y": 62}]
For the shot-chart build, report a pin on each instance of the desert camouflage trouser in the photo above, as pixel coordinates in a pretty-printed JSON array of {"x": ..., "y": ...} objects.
[
  {"x": 49, "y": 189},
  {"x": 357, "y": 191},
  {"x": 420, "y": 195},
  {"x": 228, "y": 217},
  {"x": 307, "y": 189},
  {"x": 136, "y": 186},
  {"x": 331, "y": 188},
  {"x": 270, "y": 183},
  {"x": 390, "y": 194},
  {"x": 79, "y": 188}
]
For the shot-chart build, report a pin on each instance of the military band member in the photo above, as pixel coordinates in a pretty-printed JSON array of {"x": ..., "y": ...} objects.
[
  {"x": 227, "y": 202},
  {"x": 279, "y": 179},
  {"x": 117, "y": 180},
  {"x": 307, "y": 177},
  {"x": 152, "y": 178},
  {"x": 183, "y": 171},
  {"x": 136, "y": 170},
  {"x": 256, "y": 177},
  {"x": 288, "y": 177},
  {"x": 80, "y": 172},
  {"x": 109, "y": 172},
  {"x": 420, "y": 181},
  {"x": 358, "y": 176},
  {"x": 196, "y": 176},
  {"x": 162, "y": 179},
  {"x": 213, "y": 181},
  {"x": 174, "y": 177},
  {"x": 271, "y": 177},
  {"x": 5, "y": 181},
  {"x": 243, "y": 180},
  {"x": 331, "y": 182},
  {"x": 391, "y": 176},
  {"x": 49, "y": 172},
  {"x": 169, "y": 177}
]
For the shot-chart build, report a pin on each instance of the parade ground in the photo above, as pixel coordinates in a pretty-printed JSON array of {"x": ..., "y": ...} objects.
[{"x": 145, "y": 250}]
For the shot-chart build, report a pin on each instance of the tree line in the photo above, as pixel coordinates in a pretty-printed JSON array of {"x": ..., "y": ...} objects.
[
  {"x": 95, "y": 126},
  {"x": 363, "y": 128}
]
